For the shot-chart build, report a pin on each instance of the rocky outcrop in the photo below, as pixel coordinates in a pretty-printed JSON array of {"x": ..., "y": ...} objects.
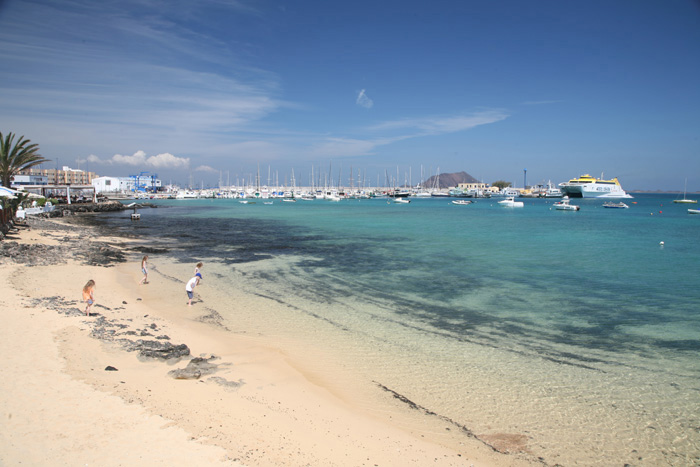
[{"x": 450, "y": 180}]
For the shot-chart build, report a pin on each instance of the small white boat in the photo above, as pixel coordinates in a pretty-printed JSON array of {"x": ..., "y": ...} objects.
[
  {"x": 611, "y": 205},
  {"x": 511, "y": 203},
  {"x": 401, "y": 200},
  {"x": 564, "y": 205},
  {"x": 268, "y": 202},
  {"x": 462, "y": 202},
  {"x": 685, "y": 200},
  {"x": 693, "y": 211},
  {"x": 289, "y": 200}
]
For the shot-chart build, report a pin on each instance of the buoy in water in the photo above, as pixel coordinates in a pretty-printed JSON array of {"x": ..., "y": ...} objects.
[{"x": 661, "y": 243}]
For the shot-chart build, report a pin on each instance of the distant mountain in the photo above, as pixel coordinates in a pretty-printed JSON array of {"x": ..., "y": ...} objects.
[{"x": 450, "y": 180}]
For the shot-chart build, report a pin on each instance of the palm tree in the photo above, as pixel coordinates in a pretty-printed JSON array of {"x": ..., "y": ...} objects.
[{"x": 17, "y": 156}]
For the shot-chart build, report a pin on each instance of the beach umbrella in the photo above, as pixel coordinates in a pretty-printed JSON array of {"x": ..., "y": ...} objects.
[{"x": 7, "y": 193}]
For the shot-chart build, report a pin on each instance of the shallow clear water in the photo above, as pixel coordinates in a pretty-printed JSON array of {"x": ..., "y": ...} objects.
[{"x": 578, "y": 330}]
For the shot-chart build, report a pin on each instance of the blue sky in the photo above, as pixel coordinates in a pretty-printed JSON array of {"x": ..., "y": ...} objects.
[{"x": 193, "y": 90}]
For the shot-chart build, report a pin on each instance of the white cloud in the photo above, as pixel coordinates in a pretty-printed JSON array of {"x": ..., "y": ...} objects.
[
  {"x": 139, "y": 158},
  {"x": 206, "y": 168},
  {"x": 363, "y": 100},
  {"x": 168, "y": 161}
]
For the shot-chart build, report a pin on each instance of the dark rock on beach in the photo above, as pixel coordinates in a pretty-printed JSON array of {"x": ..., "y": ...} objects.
[
  {"x": 161, "y": 350},
  {"x": 88, "y": 252},
  {"x": 34, "y": 255}
]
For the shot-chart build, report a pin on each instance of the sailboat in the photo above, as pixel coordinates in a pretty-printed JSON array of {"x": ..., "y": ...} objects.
[{"x": 685, "y": 200}]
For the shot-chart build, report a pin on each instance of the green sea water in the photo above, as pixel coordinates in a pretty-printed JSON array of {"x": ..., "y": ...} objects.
[{"x": 577, "y": 333}]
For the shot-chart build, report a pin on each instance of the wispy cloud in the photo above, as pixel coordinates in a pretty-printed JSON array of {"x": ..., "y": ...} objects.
[
  {"x": 128, "y": 74},
  {"x": 540, "y": 102},
  {"x": 363, "y": 100},
  {"x": 112, "y": 77},
  {"x": 407, "y": 128},
  {"x": 342, "y": 147},
  {"x": 443, "y": 124}
]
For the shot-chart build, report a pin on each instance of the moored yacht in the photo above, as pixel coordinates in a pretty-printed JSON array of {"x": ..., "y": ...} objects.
[
  {"x": 564, "y": 205},
  {"x": 587, "y": 186},
  {"x": 511, "y": 203}
]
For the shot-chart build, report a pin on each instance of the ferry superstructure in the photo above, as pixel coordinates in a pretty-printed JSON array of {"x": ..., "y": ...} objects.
[{"x": 587, "y": 186}]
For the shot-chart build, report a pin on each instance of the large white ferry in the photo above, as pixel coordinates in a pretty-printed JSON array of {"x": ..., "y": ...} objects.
[{"x": 587, "y": 186}]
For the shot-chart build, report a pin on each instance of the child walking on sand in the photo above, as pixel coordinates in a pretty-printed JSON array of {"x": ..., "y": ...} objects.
[
  {"x": 144, "y": 270},
  {"x": 189, "y": 288},
  {"x": 89, "y": 295}
]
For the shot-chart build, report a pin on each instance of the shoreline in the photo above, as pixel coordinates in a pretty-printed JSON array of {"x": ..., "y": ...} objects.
[{"x": 251, "y": 403}]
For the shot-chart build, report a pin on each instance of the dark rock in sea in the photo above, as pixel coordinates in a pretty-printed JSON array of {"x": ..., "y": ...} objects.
[
  {"x": 226, "y": 383},
  {"x": 186, "y": 373},
  {"x": 196, "y": 368},
  {"x": 110, "y": 368},
  {"x": 213, "y": 318}
]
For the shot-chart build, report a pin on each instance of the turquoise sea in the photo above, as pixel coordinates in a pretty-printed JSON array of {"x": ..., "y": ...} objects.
[{"x": 575, "y": 335}]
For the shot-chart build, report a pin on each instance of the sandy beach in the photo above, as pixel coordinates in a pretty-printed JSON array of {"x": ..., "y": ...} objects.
[{"x": 102, "y": 390}]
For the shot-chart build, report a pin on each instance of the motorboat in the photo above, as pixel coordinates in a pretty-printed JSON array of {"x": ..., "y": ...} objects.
[
  {"x": 401, "y": 200},
  {"x": 587, "y": 186},
  {"x": 511, "y": 203},
  {"x": 611, "y": 205},
  {"x": 693, "y": 211},
  {"x": 462, "y": 202},
  {"x": 564, "y": 205}
]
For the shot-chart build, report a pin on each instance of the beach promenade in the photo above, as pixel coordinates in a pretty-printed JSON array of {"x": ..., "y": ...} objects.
[{"x": 102, "y": 390}]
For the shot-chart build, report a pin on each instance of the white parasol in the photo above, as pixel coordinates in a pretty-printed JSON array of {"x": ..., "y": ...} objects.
[{"x": 7, "y": 193}]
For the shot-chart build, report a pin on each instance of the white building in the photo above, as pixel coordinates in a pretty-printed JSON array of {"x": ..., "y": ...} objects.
[
  {"x": 125, "y": 184},
  {"x": 109, "y": 185}
]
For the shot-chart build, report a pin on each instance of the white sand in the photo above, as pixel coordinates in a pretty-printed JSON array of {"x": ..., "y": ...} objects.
[{"x": 60, "y": 407}]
